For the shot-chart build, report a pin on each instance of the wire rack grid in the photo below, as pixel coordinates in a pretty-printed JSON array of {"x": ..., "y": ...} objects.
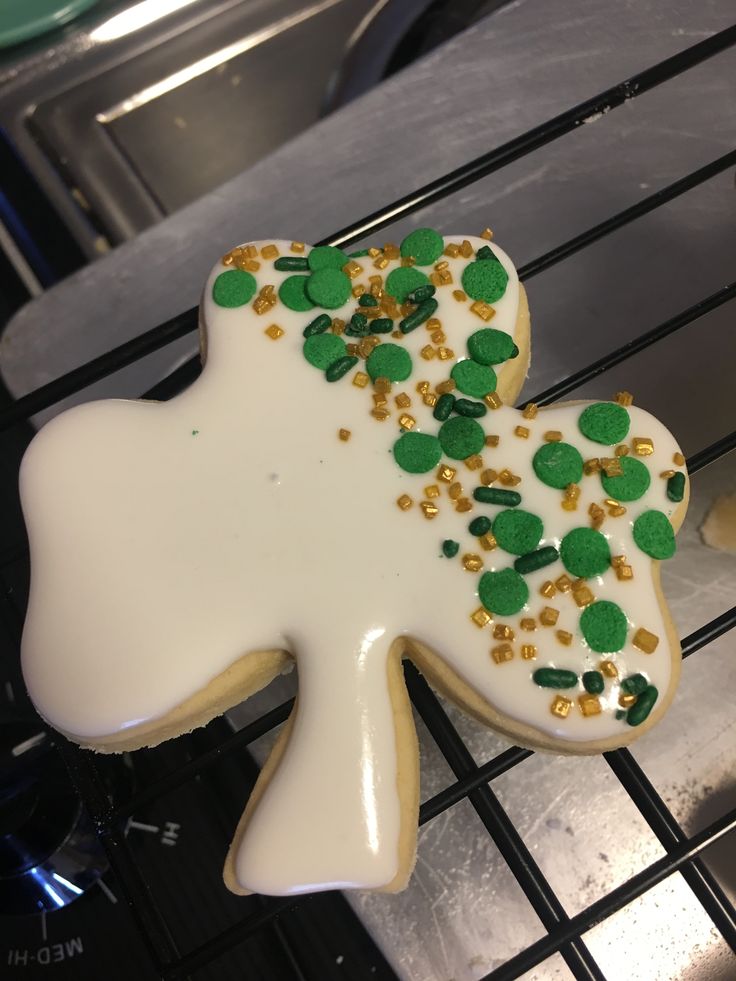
[{"x": 682, "y": 853}]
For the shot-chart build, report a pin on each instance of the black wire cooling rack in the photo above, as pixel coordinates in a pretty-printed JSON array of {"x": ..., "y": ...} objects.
[{"x": 564, "y": 934}]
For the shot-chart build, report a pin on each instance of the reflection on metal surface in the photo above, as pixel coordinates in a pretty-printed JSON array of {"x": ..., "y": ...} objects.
[{"x": 141, "y": 15}]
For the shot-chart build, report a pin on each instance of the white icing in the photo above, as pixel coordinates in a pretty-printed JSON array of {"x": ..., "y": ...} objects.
[{"x": 170, "y": 539}]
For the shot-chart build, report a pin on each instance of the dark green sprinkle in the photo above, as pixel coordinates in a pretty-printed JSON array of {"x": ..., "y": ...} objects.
[
  {"x": 357, "y": 326},
  {"x": 643, "y": 705},
  {"x": 358, "y": 255},
  {"x": 340, "y": 368},
  {"x": 382, "y": 325},
  {"x": 496, "y": 495},
  {"x": 291, "y": 263},
  {"x": 450, "y": 548},
  {"x": 318, "y": 326},
  {"x": 593, "y": 682},
  {"x": 620, "y": 714},
  {"x": 486, "y": 252},
  {"x": 634, "y": 684},
  {"x": 479, "y": 526},
  {"x": 366, "y": 300},
  {"x": 422, "y": 313},
  {"x": 422, "y": 293},
  {"x": 676, "y": 487},
  {"x": 443, "y": 407},
  {"x": 554, "y": 678},
  {"x": 469, "y": 408},
  {"x": 536, "y": 560}
]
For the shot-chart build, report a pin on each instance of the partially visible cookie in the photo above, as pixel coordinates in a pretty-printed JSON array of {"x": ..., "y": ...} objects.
[{"x": 719, "y": 528}]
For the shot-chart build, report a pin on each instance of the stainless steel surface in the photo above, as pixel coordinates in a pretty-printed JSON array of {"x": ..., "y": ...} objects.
[{"x": 463, "y": 912}]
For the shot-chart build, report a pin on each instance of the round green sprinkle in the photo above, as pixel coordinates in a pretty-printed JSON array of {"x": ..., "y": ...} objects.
[
  {"x": 421, "y": 294},
  {"x": 517, "y": 531},
  {"x": 322, "y": 350},
  {"x": 474, "y": 379},
  {"x": 400, "y": 282},
  {"x": 676, "y": 487},
  {"x": 485, "y": 280},
  {"x": 326, "y": 257},
  {"x": 443, "y": 406},
  {"x": 338, "y": 369},
  {"x": 497, "y": 495},
  {"x": 381, "y": 325},
  {"x": 450, "y": 548},
  {"x": 318, "y": 326},
  {"x": 503, "y": 592},
  {"x": 654, "y": 535},
  {"x": 466, "y": 407},
  {"x": 593, "y": 682},
  {"x": 293, "y": 293},
  {"x": 585, "y": 552},
  {"x": 366, "y": 300},
  {"x": 422, "y": 313},
  {"x": 461, "y": 437},
  {"x": 604, "y": 422},
  {"x": 479, "y": 526},
  {"x": 329, "y": 288},
  {"x": 634, "y": 684},
  {"x": 604, "y": 626},
  {"x": 536, "y": 560},
  {"x": 294, "y": 263},
  {"x": 633, "y": 482},
  {"x": 425, "y": 244},
  {"x": 491, "y": 346},
  {"x": 389, "y": 361},
  {"x": 643, "y": 705},
  {"x": 554, "y": 678},
  {"x": 417, "y": 452},
  {"x": 233, "y": 288},
  {"x": 558, "y": 464}
]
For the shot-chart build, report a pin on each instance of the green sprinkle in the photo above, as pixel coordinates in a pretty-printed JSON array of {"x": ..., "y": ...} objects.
[
  {"x": 400, "y": 282},
  {"x": 593, "y": 682},
  {"x": 323, "y": 350},
  {"x": 382, "y": 325},
  {"x": 359, "y": 254},
  {"x": 233, "y": 288},
  {"x": 654, "y": 535},
  {"x": 497, "y": 495},
  {"x": 558, "y": 464},
  {"x": 517, "y": 532},
  {"x": 293, "y": 293},
  {"x": 389, "y": 361},
  {"x": 676, "y": 487},
  {"x": 604, "y": 422},
  {"x": 328, "y": 287},
  {"x": 485, "y": 280},
  {"x": 422, "y": 313},
  {"x": 491, "y": 346},
  {"x": 357, "y": 326},
  {"x": 450, "y": 548},
  {"x": 366, "y": 300},
  {"x": 291, "y": 263},
  {"x": 604, "y": 626},
  {"x": 326, "y": 257},
  {"x": 417, "y": 452},
  {"x": 486, "y": 252},
  {"x": 318, "y": 326},
  {"x": 461, "y": 437},
  {"x": 554, "y": 678},
  {"x": 474, "y": 379},
  {"x": 473, "y": 410},
  {"x": 479, "y": 526},
  {"x": 425, "y": 244},
  {"x": 503, "y": 592},
  {"x": 620, "y": 714},
  {"x": 195, "y": 432},
  {"x": 635, "y": 684},
  {"x": 536, "y": 560},
  {"x": 643, "y": 705},
  {"x": 633, "y": 482},
  {"x": 443, "y": 407},
  {"x": 340, "y": 368},
  {"x": 585, "y": 552},
  {"x": 422, "y": 293}
]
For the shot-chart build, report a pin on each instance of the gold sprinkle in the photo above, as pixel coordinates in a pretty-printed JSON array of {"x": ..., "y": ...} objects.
[
  {"x": 382, "y": 385},
  {"x": 297, "y": 247},
  {"x": 609, "y": 669},
  {"x": 563, "y": 583},
  {"x": 528, "y": 623},
  {"x": 564, "y": 637},
  {"x": 247, "y": 265},
  {"x": 228, "y": 259},
  {"x": 572, "y": 492},
  {"x": 483, "y": 310},
  {"x": 404, "y": 502},
  {"x": 597, "y": 515},
  {"x": 402, "y": 401},
  {"x": 377, "y": 292},
  {"x": 502, "y": 653},
  {"x": 503, "y": 632},
  {"x": 617, "y": 560},
  {"x": 622, "y": 450},
  {"x": 435, "y": 279},
  {"x": 381, "y": 262},
  {"x": 472, "y": 562},
  {"x": 528, "y": 651},
  {"x": 251, "y": 251},
  {"x": 360, "y": 379},
  {"x": 487, "y": 542},
  {"x": 379, "y": 400},
  {"x": 589, "y": 704},
  {"x": 428, "y": 352},
  {"x": 549, "y": 616},
  {"x": 392, "y": 250},
  {"x": 373, "y": 252},
  {"x": 429, "y": 510},
  {"x": 481, "y": 618},
  {"x": 492, "y": 440},
  {"x": 445, "y": 353},
  {"x": 617, "y": 512},
  {"x": 380, "y": 413},
  {"x": 583, "y": 596},
  {"x": 274, "y": 332},
  {"x": 560, "y": 706},
  {"x": 366, "y": 346},
  {"x": 486, "y": 234},
  {"x": 446, "y": 473},
  {"x": 569, "y": 505},
  {"x": 466, "y": 249},
  {"x": 625, "y": 700},
  {"x": 351, "y": 349},
  {"x": 591, "y": 466},
  {"x": 443, "y": 264},
  {"x": 474, "y": 462},
  {"x": 353, "y": 269},
  {"x": 452, "y": 249},
  {"x": 423, "y": 387},
  {"x": 269, "y": 252},
  {"x": 547, "y": 589},
  {"x": 463, "y": 504},
  {"x": 445, "y": 277},
  {"x": 531, "y": 410},
  {"x": 337, "y": 326},
  {"x": 406, "y": 308},
  {"x": 408, "y": 260},
  {"x": 344, "y": 434},
  {"x": 552, "y": 436},
  {"x": 666, "y": 474},
  {"x": 488, "y": 476},
  {"x": 438, "y": 337},
  {"x": 643, "y": 445},
  {"x": 433, "y": 324},
  {"x": 430, "y": 399},
  {"x": 624, "y": 573},
  {"x": 493, "y": 400},
  {"x": 406, "y": 421},
  {"x": 679, "y": 460},
  {"x": 645, "y": 641},
  {"x": 611, "y": 502},
  {"x": 522, "y": 432},
  {"x": 358, "y": 290},
  {"x": 459, "y": 296},
  {"x": 612, "y": 466},
  {"x": 623, "y": 398},
  {"x": 508, "y": 479},
  {"x": 445, "y": 387},
  {"x": 455, "y": 491},
  {"x": 432, "y": 491}
]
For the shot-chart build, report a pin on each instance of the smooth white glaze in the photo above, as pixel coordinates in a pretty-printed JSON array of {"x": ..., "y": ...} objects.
[{"x": 169, "y": 539}]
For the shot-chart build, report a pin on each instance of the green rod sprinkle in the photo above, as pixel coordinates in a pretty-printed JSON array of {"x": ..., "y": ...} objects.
[
  {"x": 536, "y": 560},
  {"x": 382, "y": 325},
  {"x": 496, "y": 495},
  {"x": 422, "y": 313},
  {"x": 443, "y": 407},
  {"x": 450, "y": 548},
  {"x": 676, "y": 487},
  {"x": 291, "y": 263},
  {"x": 318, "y": 326},
  {"x": 421, "y": 293},
  {"x": 554, "y": 678},
  {"x": 358, "y": 255},
  {"x": 366, "y": 300},
  {"x": 340, "y": 368},
  {"x": 470, "y": 409},
  {"x": 643, "y": 705}
]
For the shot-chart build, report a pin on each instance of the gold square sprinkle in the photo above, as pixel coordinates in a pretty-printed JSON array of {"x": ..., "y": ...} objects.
[
  {"x": 445, "y": 353},
  {"x": 446, "y": 386},
  {"x": 432, "y": 491},
  {"x": 502, "y": 631},
  {"x": 560, "y": 706},
  {"x": 481, "y": 618},
  {"x": 488, "y": 476},
  {"x": 531, "y": 410},
  {"x": 463, "y": 504},
  {"x": 406, "y": 421},
  {"x": 446, "y": 473},
  {"x": 678, "y": 459},
  {"x": 297, "y": 247},
  {"x": 621, "y": 450},
  {"x": 589, "y": 704},
  {"x": 502, "y": 653},
  {"x": 547, "y": 589},
  {"x": 549, "y": 616},
  {"x": 269, "y": 252},
  {"x": 492, "y": 440},
  {"x": 382, "y": 385},
  {"x": 459, "y": 296},
  {"x": 624, "y": 573},
  {"x": 404, "y": 502},
  {"x": 563, "y": 583},
  {"x": 564, "y": 637},
  {"x": 553, "y": 436},
  {"x": 428, "y": 352},
  {"x": 344, "y": 434},
  {"x": 493, "y": 400},
  {"x": 528, "y": 623},
  {"x": 456, "y": 490},
  {"x": 623, "y": 398},
  {"x": 274, "y": 332},
  {"x": 486, "y": 234},
  {"x": 380, "y": 413},
  {"x": 472, "y": 562},
  {"x": 430, "y": 399},
  {"x": 483, "y": 310},
  {"x": 643, "y": 445},
  {"x": 583, "y": 596},
  {"x": 625, "y": 700},
  {"x": 474, "y": 462},
  {"x": 360, "y": 379},
  {"x": 645, "y": 641},
  {"x": 528, "y": 651},
  {"x": 488, "y": 542},
  {"x": 429, "y": 510},
  {"x": 609, "y": 669},
  {"x": 522, "y": 432},
  {"x": 423, "y": 387},
  {"x": 591, "y": 466}
]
